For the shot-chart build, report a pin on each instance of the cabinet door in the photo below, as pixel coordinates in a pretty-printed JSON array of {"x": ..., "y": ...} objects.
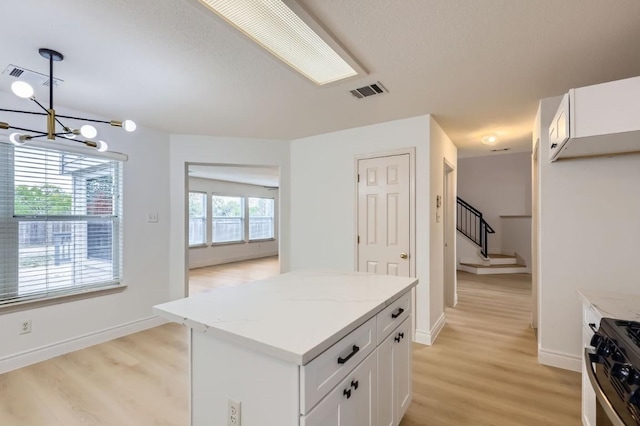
[
  {"x": 352, "y": 402},
  {"x": 402, "y": 370},
  {"x": 394, "y": 376},
  {"x": 386, "y": 396}
]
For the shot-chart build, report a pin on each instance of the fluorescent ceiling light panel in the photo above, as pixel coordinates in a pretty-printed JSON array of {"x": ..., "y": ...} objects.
[{"x": 273, "y": 25}]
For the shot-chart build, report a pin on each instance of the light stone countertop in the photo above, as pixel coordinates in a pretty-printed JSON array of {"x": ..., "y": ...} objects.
[
  {"x": 613, "y": 305},
  {"x": 294, "y": 316}
]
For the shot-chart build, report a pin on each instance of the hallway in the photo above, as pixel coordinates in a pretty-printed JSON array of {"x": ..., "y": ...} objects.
[{"x": 483, "y": 369}]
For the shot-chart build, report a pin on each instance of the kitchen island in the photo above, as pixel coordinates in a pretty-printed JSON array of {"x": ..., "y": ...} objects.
[{"x": 305, "y": 348}]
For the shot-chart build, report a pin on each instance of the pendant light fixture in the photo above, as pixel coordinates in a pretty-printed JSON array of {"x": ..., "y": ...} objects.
[{"x": 55, "y": 128}]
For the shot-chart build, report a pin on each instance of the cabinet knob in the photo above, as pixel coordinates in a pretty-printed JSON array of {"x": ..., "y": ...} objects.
[{"x": 347, "y": 393}]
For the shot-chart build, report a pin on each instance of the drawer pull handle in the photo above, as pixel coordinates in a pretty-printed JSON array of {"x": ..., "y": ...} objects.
[
  {"x": 402, "y": 335},
  {"x": 397, "y": 338},
  {"x": 348, "y": 357},
  {"x": 354, "y": 384},
  {"x": 400, "y": 312},
  {"x": 593, "y": 328},
  {"x": 347, "y": 393}
]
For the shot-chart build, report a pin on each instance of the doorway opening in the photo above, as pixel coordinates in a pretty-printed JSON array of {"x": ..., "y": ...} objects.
[{"x": 232, "y": 224}]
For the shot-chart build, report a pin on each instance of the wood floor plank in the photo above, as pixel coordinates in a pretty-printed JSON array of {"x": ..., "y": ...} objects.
[{"x": 482, "y": 370}]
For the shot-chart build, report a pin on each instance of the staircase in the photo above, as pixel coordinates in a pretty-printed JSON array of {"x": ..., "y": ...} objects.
[
  {"x": 495, "y": 264},
  {"x": 472, "y": 225}
]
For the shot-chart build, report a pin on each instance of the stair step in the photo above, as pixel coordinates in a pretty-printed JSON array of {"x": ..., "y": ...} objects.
[
  {"x": 492, "y": 269},
  {"x": 502, "y": 259}
]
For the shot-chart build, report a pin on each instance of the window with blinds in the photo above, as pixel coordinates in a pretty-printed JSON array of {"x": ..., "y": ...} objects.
[
  {"x": 60, "y": 222},
  {"x": 261, "y": 218}
]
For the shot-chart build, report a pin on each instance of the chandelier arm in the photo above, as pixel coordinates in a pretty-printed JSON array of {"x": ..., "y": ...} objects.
[
  {"x": 23, "y": 112},
  {"x": 25, "y": 130},
  {"x": 47, "y": 113},
  {"x": 84, "y": 119}
]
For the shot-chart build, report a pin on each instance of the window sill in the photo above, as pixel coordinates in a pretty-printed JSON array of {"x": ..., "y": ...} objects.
[
  {"x": 203, "y": 245},
  {"x": 262, "y": 240},
  {"x": 227, "y": 243},
  {"x": 22, "y": 305}
]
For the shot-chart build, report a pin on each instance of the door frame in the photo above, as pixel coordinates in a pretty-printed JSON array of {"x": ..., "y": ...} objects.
[
  {"x": 450, "y": 284},
  {"x": 412, "y": 201}
]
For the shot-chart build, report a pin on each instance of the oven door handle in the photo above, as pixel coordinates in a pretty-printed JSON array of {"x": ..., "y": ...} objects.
[{"x": 600, "y": 396}]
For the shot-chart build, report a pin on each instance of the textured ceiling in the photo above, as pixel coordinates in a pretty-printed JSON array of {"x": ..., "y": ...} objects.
[{"x": 478, "y": 65}]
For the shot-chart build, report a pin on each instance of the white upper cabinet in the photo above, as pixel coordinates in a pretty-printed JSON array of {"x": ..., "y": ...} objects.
[{"x": 597, "y": 120}]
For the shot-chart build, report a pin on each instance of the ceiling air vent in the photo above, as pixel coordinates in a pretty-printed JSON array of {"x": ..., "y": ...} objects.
[
  {"x": 31, "y": 77},
  {"x": 500, "y": 149},
  {"x": 373, "y": 89}
]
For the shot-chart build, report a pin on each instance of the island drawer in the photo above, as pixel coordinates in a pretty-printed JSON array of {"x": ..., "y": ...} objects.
[
  {"x": 323, "y": 373},
  {"x": 393, "y": 315}
]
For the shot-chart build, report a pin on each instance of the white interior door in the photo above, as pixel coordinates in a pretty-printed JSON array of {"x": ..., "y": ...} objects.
[{"x": 383, "y": 215}]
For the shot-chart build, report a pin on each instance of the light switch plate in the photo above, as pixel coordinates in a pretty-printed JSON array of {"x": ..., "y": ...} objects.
[{"x": 152, "y": 217}]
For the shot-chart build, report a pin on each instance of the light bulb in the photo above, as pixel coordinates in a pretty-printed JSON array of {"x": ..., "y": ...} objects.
[
  {"x": 102, "y": 146},
  {"x": 17, "y": 139},
  {"x": 489, "y": 140},
  {"x": 129, "y": 125},
  {"x": 88, "y": 131},
  {"x": 22, "y": 89}
]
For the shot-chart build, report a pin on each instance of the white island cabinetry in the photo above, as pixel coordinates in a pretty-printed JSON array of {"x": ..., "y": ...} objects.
[{"x": 311, "y": 348}]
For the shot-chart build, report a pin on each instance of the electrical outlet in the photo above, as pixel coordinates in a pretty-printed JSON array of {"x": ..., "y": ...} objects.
[
  {"x": 25, "y": 327},
  {"x": 233, "y": 412},
  {"x": 152, "y": 217}
]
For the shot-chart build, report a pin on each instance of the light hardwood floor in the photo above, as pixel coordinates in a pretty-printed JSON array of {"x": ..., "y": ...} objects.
[
  {"x": 481, "y": 371},
  {"x": 203, "y": 279}
]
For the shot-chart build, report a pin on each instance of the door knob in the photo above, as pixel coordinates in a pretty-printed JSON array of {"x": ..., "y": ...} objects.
[{"x": 404, "y": 255}]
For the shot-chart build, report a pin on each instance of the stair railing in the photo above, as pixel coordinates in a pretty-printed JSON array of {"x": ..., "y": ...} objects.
[{"x": 472, "y": 225}]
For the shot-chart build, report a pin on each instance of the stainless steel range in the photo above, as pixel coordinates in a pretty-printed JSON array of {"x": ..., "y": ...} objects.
[{"x": 613, "y": 367}]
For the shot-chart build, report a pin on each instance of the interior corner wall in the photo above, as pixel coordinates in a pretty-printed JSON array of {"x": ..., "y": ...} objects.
[
  {"x": 441, "y": 149},
  {"x": 500, "y": 185},
  {"x": 323, "y": 197},
  {"x": 186, "y": 149},
  {"x": 71, "y": 325},
  {"x": 589, "y": 233},
  {"x": 226, "y": 253}
]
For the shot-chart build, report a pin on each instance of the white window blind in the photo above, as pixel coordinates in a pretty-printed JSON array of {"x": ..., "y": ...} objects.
[
  {"x": 197, "y": 218},
  {"x": 261, "y": 218},
  {"x": 60, "y": 222},
  {"x": 228, "y": 219}
]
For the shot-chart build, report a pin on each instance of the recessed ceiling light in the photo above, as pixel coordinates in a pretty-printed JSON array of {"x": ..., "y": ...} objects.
[
  {"x": 489, "y": 139},
  {"x": 274, "y": 25}
]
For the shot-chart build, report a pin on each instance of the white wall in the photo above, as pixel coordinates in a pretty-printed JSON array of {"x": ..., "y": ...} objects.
[
  {"x": 441, "y": 149},
  {"x": 70, "y": 325},
  {"x": 589, "y": 233},
  {"x": 497, "y": 185},
  {"x": 185, "y": 149},
  {"x": 217, "y": 254},
  {"x": 323, "y": 205},
  {"x": 516, "y": 237}
]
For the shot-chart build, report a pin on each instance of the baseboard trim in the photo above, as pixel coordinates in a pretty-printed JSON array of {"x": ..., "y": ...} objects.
[
  {"x": 429, "y": 337},
  {"x": 560, "y": 360},
  {"x": 220, "y": 261},
  {"x": 43, "y": 353}
]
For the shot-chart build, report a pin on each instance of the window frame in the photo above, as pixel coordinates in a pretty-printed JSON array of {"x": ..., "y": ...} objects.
[
  {"x": 243, "y": 219},
  {"x": 205, "y": 219},
  {"x": 10, "y": 297},
  {"x": 273, "y": 220}
]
